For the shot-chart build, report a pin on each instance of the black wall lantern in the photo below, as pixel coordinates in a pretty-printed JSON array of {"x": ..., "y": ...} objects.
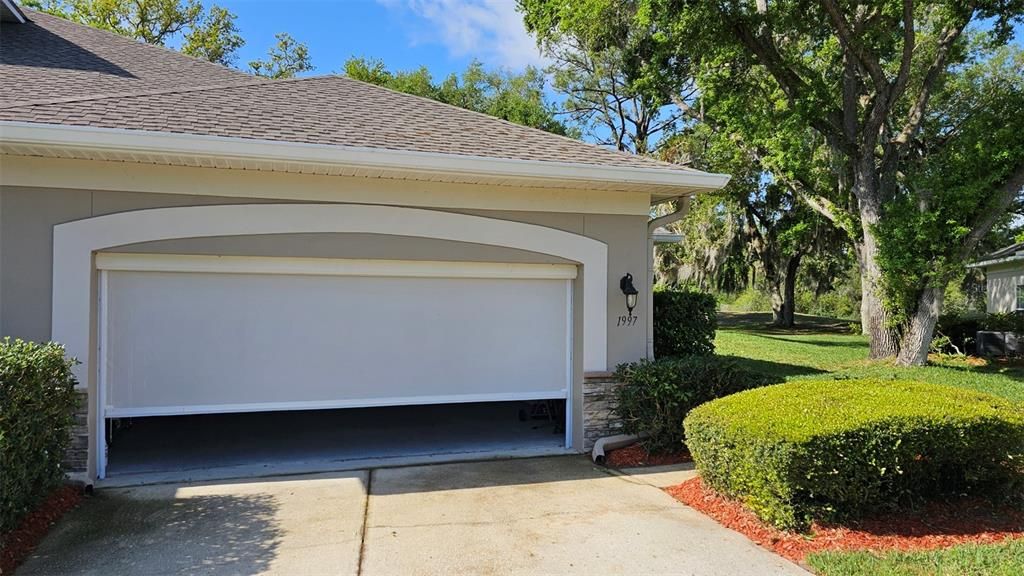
[{"x": 626, "y": 285}]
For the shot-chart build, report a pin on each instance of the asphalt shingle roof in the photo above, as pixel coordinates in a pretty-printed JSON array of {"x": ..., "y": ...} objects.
[
  {"x": 49, "y": 57},
  {"x": 59, "y": 72}
]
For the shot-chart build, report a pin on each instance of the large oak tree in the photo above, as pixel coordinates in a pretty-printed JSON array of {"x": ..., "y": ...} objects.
[{"x": 921, "y": 119}]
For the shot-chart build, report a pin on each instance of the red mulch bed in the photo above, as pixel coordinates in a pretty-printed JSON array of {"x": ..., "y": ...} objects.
[
  {"x": 937, "y": 525},
  {"x": 635, "y": 455},
  {"x": 20, "y": 542}
]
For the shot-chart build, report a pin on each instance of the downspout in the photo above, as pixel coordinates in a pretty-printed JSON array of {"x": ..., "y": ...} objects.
[
  {"x": 609, "y": 443},
  {"x": 652, "y": 225}
]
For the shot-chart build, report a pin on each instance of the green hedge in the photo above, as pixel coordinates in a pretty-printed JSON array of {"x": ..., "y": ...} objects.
[
  {"x": 37, "y": 405},
  {"x": 958, "y": 333},
  {"x": 684, "y": 323},
  {"x": 1004, "y": 322},
  {"x": 837, "y": 449},
  {"x": 656, "y": 395}
]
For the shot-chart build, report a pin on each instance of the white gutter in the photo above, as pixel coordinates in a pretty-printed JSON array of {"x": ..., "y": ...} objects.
[
  {"x": 660, "y": 238},
  {"x": 985, "y": 263},
  {"x": 140, "y": 142}
]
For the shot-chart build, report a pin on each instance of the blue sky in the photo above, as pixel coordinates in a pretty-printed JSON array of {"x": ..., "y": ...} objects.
[{"x": 444, "y": 35}]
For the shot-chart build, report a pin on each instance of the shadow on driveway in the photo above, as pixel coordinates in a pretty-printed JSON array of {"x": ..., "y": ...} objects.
[{"x": 117, "y": 533}]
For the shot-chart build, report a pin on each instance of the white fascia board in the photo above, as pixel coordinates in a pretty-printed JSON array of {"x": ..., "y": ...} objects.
[{"x": 138, "y": 141}]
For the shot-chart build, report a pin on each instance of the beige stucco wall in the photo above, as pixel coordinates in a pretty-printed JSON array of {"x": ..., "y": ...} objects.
[
  {"x": 37, "y": 194},
  {"x": 28, "y": 214},
  {"x": 1002, "y": 281}
]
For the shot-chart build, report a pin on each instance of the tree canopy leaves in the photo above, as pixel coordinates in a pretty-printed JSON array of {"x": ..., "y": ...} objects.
[
  {"x": 284, "y": 60},
  {"x": 516, "y": 97}
]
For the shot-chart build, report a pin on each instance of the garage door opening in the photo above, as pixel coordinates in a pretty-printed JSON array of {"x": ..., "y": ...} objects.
[
  {"x": 319, "y": 440},
  {"x": 191, "y": 335}
]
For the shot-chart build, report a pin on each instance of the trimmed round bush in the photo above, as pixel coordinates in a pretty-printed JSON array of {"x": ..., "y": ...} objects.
[
  {"x": 684, "y": 323},
  {"x": 836, "y": 449}
]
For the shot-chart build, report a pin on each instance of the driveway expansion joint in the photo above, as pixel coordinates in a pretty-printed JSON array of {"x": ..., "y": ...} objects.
[{"x": 363, "y": 528}]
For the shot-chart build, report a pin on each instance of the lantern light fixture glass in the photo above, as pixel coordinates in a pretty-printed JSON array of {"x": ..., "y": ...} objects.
[{"x": 630, "y": 291}]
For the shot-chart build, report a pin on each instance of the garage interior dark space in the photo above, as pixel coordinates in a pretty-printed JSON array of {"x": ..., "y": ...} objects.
[{"x": 329, "y": 438}]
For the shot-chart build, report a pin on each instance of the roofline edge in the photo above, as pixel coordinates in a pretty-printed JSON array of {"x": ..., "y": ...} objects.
[
  {"x": 136, "y": 141},
  {"x": 995, "y": 261},
  {"x": 16, "y": 10}
]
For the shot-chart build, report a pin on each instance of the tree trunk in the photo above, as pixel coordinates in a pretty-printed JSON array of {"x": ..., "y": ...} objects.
[
  {"x": 865, "y": 311},
  {"x": 884, "y": 338},
  {"x": 789, "y": 291},
  {"x": 917, "y": 338},
  {"x": 778, "y": 302}
]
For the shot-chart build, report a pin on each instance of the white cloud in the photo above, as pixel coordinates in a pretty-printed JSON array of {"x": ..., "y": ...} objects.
[{"x": 489, "y": 30}]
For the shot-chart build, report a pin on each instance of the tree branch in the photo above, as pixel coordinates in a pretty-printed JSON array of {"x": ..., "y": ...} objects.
[
  {"x": 916, "y": 113},
  {"x": 1011, "y": 190},
  {"x": 795, "y": 88},
  {"x": 909, "y": 39},
  {"x": 847, "y": 38},
  {"x": 822, "y": 205}
]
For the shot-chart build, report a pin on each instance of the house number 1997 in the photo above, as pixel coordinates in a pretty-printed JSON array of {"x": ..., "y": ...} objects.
[{"x": 625, "y": 320}]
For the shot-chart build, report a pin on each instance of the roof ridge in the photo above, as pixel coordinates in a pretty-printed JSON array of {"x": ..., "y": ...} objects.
[
  {"x": 510, "y": 123},
  {"x": 138, "y": 93}
]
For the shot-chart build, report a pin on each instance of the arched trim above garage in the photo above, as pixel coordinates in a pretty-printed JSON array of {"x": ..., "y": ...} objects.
[{"x": 75, "y": 243}]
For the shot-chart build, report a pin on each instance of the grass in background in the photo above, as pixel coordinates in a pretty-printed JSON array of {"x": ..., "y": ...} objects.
[
  {"x": 1003, "y": 559},
  {"x": 824, "y": 347}
]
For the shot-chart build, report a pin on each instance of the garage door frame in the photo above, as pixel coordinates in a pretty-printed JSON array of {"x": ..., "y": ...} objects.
[{"x": 76, "y": 286}]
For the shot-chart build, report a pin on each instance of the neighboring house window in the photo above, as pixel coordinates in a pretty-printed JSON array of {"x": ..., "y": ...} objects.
[{"x": 1020, "y": 297}]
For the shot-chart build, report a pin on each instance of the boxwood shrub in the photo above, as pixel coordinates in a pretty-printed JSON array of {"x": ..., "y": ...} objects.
[
  {"x": 655, "y": 396},
  {"x": 837, "y": 449},
  {"x": 37, "y": 405},
  {"x": 684, "y": 323}
]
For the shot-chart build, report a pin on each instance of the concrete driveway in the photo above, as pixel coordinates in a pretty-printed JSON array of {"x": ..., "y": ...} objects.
[{"x": 531, "y": 516}]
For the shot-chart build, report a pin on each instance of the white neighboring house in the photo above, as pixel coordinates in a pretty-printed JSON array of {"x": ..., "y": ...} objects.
[{"x": 1004, "y": 275}]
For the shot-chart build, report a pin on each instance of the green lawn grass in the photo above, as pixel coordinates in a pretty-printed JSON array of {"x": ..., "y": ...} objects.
[
  {"x": 825, "y": 348},
  {"x": 1004, "y": 559}
]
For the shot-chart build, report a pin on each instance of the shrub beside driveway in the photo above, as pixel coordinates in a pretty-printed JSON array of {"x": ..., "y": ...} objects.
[
  {"x": 37, "y": 404},
  {"x": 825, "y": 349},
  {"x": 836, "y": 450}
]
